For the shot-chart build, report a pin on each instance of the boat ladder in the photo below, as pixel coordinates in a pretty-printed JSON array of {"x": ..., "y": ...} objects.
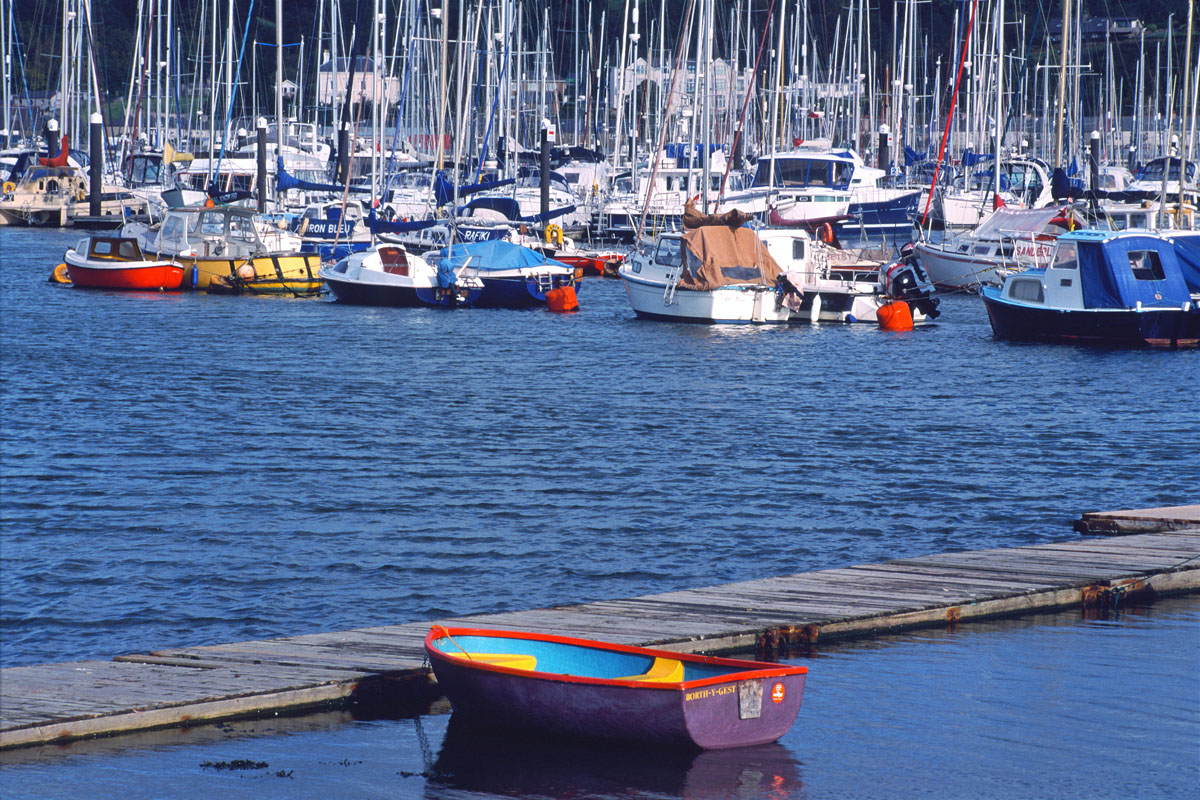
[
  {"x": 669, "y": 291},
  {"x": 543, "y": 281}
]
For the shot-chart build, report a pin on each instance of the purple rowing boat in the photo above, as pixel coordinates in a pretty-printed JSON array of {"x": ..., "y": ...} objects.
[{"x": 578, "y": 687}]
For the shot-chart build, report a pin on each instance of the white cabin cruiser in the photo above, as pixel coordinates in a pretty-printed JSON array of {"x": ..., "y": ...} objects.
[{"x": 718, "y": 274}]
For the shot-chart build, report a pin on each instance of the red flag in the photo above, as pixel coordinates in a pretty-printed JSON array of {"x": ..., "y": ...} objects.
[{"x": 59, "y": 160}]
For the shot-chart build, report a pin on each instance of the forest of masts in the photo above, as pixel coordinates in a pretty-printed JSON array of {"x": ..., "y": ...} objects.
[{"x": 458, "y": 79}]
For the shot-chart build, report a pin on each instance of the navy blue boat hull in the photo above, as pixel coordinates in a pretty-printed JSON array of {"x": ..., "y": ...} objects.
[
  {"x": 514, "y": 292},
  {"x": 1128, "y": 327},
  {"x": 373, "y": 295},
  {"x": 892, "y": 218},
  {"x": 367, "y": 294}
]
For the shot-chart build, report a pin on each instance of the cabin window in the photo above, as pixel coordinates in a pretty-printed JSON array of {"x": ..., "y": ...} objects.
[
  {"x": 1146, "y": 265},
  {"x": 172, "y": 228},
  {"x": 241, "y": 229},
  {"x": 1066, "y": 256},
  {"x": 819, "y": 173},
  {"x": 393, "y": 260},
  {"x": 102, "y": 247},
  {"x": 129, "y": 251},
  {"x": 798, "y": 249},
  {"x": 212, "y": 223},
  {"x": 1027, "y": 289},
  {"x": 792, "y": 172},
  {"x": 670, "y": 252}
]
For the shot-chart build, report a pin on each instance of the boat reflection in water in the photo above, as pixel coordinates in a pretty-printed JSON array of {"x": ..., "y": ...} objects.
[{"x": 477, "y": 758}]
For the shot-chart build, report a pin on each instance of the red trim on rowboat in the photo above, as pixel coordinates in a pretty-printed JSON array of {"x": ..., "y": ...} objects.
[{"x": 753, "y": 669}]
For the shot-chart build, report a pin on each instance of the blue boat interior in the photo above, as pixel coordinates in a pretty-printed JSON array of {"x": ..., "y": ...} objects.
[{"x": 578, "y": 660}]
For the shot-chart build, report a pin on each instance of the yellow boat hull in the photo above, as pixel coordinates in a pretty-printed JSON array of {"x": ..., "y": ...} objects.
[{"x": 292, "y": 273}]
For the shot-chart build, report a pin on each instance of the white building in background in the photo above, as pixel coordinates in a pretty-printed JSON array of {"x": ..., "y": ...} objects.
[
  {"x": 332, "y": 79},
  {"x": 728, "y": 87}
]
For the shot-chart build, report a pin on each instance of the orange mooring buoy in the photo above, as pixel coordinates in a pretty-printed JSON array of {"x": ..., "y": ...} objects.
[
  {"x": 895, "y": 316},
  {"x": 60, "y": 275},
  {"x": 562, "y": 299}
]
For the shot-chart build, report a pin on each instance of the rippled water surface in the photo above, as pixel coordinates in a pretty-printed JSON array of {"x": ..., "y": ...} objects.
[{"x": 182, "y": 469}]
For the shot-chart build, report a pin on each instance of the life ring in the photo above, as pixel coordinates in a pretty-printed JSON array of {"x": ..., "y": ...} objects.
[
  {"x": 825, "y": 233},
  {"x": 9, "y": 187},
  {"x": 554, "y": 234}
]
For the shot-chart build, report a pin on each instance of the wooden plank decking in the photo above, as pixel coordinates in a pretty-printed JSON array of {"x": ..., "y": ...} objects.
[
  {"x": 1141, "y": 520},
  {"x": 186, "y": 686}
]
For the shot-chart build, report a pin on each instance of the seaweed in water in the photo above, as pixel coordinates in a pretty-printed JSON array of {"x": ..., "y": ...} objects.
[{"x": 237, "y": 763}]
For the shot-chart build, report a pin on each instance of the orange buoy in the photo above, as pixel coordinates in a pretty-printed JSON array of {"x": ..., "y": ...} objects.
[
  {"x": 896, "y": 316},
  {"x": 562, "y": 299},
  {"x": 60, "y": 275}
]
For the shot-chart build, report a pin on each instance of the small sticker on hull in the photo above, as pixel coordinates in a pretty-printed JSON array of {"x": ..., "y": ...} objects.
[{"x": 750, "y": 699}]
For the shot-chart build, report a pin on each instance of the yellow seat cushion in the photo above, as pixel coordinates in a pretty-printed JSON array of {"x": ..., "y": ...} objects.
[
  {"x": 663, "y": 670},
  {"x": 510, "y": 660}
]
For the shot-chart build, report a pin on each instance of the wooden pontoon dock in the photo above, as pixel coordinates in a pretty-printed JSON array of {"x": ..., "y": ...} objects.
[{"x": 188, "y": 686}]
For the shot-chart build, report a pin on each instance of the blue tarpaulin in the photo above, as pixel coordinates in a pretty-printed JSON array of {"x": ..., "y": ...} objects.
[
  {"x": 443, "y": 189},
  {"x": 970, "y": 159},
  {"x": 1187, "y": 250},
  {"x": 1116, "y": 272},
  {"x": 496, "y": 255}
]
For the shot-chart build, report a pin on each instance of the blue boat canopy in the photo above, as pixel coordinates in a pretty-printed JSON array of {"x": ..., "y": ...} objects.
[
  {"x": 1122, "y": 271},
  {"x": 494, "y": 255},
  {"x": 1187, "y": 250}
]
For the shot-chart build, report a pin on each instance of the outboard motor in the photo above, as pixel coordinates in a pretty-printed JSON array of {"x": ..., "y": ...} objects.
[{"x": 906, "y": 280}]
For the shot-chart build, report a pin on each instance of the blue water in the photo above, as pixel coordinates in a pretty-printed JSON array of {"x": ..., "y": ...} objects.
[
  {"x": 1049, "y": 706},
  {"x": 184, "y": 469}
]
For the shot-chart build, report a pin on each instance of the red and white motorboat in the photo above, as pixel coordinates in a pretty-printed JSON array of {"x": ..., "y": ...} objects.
[{"x": 113, "y": 262}]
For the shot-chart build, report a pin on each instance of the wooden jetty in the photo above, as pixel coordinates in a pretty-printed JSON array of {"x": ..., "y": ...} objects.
[
  {"x": 1142, "y": 520},
  {"x": 188, "y": 686}
]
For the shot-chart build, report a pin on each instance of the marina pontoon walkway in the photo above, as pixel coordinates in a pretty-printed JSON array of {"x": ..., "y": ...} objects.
[{"x": 187, "y": 686}]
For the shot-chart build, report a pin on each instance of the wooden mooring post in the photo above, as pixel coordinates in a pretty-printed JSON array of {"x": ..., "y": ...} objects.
[{"x": 774, "y": 616}]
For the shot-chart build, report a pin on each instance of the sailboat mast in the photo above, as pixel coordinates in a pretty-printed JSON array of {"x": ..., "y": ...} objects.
[
  {"x": 1186, "y": 150},
  {"x": 1062, "y": 84},
  {"x": 64, "y": 72},
  {"x": 279, "y": 77},
  {"x": 999, "y": 118},
  {"x": 212, "y": 95}
]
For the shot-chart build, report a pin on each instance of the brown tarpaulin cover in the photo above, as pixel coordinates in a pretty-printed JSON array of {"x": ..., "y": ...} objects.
[
  {"x": 719, "y": 256},
  {"x": 692, "y": 218}
]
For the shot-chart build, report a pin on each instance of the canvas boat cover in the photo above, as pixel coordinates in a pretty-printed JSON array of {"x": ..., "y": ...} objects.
[
  {"x": 1009, "y": 222},
  {"x": 496, "y": 255},
  {"x": 1187, "y": 250},
  {"x": 693, "y": 218},
  {"x": 717, "y": 255},
  {"x": 1120, "y": 272}
]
